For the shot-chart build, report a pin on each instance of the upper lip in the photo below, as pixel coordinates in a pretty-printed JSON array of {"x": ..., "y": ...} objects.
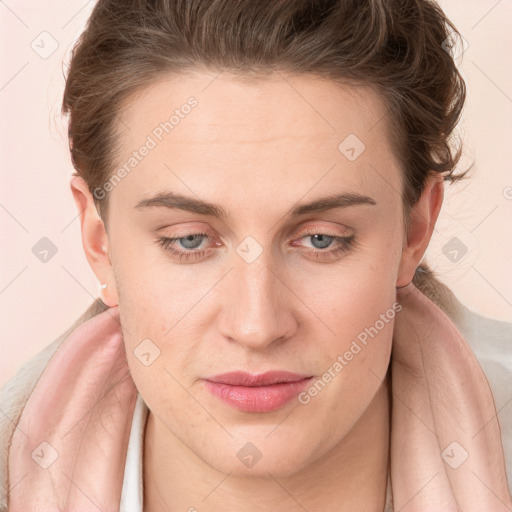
[{"x": 261, "y": 379}]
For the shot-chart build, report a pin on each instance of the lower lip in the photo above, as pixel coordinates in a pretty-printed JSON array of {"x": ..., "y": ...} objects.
[{"x": 257, "y": 398}]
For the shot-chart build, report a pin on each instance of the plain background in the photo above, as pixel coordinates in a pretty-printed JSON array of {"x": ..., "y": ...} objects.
[{"x": 471, "y": 248}]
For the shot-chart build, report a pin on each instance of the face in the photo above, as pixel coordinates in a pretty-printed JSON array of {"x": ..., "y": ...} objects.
[{"x": 281, "y": 255}]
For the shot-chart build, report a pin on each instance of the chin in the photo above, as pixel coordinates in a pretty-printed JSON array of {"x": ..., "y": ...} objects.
[{"x": 258, "y": 458}]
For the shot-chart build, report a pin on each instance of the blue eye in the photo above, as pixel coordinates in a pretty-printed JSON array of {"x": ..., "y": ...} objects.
[
  {"x": 190, "y": 243},
  {"x": 322, "y": 241}
]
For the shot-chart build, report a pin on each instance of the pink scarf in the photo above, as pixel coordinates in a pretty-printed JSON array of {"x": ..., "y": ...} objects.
[{"x": 69, "y": 450}]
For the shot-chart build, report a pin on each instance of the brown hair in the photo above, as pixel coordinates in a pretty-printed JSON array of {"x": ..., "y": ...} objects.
[{"x": 402, "y": 48}]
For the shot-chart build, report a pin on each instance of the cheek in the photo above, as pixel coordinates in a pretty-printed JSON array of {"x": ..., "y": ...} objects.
[
  {"x": 357, "y": 308},
  {"x": 149, "y": 281},
  {"x": 353, "y": 294},
  {"x": 356, "y": 358}
]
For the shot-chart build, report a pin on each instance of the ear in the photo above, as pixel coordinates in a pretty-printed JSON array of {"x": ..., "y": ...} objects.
[
  {"x": 422, "y": 221},
  {"x": 94, "y": 239}
]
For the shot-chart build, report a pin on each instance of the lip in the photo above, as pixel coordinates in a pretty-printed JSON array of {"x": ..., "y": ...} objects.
[{"x": 264, "y": 392}]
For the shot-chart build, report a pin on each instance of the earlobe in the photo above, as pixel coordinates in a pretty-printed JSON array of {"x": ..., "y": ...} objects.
[
  {"x": 423, "y": 218},
  {"x": 94, "y": 239}
]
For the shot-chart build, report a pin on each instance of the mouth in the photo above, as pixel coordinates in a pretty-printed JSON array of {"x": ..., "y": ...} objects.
[{"x": 263, "y": 392}]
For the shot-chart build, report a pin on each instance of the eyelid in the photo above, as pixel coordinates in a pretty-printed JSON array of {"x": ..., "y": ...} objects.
[
  {"x": 310, "y": 229},
  {"x": 186, "y": 228}
]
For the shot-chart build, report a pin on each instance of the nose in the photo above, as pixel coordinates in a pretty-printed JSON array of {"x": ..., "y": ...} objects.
[{"x": 258, "y": 310}]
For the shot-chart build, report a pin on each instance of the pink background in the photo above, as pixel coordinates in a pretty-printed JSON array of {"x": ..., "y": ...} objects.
[{"x": 38, "y": 301}]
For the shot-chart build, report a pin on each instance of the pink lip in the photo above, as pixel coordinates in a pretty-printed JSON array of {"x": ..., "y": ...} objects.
[{"x": 263, "y": 392}]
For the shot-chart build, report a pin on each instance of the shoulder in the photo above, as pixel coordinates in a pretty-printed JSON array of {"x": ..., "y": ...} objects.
[
  {"x": 17, "y": 390},
  {"x": 13, "y": 397},
  {"x": 491, "y": 342}
]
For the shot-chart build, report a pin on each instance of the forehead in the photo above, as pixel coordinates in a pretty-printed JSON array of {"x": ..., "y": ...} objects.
[
  {"x": 324, "y": 107},
  {"x": 283, "y": 130}
]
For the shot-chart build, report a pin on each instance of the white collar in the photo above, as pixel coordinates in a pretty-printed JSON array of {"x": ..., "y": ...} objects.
[{"x": 132, "y": 493}]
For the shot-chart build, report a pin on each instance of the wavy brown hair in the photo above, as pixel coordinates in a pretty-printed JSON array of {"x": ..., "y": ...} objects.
[{"x": 400, "y": 48}]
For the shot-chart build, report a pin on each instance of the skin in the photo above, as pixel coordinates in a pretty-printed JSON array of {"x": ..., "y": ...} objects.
[{"x": 259, "y": 149}]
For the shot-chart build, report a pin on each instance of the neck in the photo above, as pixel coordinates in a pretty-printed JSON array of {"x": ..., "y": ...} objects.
[{"x": 350, "y": 477}]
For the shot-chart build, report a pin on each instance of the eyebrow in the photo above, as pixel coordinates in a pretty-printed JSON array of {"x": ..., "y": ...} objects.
[{"x": 181, "y": 202}]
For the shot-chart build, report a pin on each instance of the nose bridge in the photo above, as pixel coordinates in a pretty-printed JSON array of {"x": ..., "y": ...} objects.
[{"x": 257, "y": 309}]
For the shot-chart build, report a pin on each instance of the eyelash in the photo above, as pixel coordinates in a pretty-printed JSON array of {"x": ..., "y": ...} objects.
[{"x": 345, "y": 244}]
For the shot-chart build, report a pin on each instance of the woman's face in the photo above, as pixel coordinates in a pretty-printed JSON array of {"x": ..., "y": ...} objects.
[{"x": 256, "y": 182}]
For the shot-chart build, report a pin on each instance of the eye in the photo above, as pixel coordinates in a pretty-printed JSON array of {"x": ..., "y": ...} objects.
[
  {"x": 322, "y": 242},
  {"x": 187, "y": 247},
  {"x": 189, "y": 242}
]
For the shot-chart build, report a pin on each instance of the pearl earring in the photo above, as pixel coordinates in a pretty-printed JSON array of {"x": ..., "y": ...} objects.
[{"x": 104, "y": 299}]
